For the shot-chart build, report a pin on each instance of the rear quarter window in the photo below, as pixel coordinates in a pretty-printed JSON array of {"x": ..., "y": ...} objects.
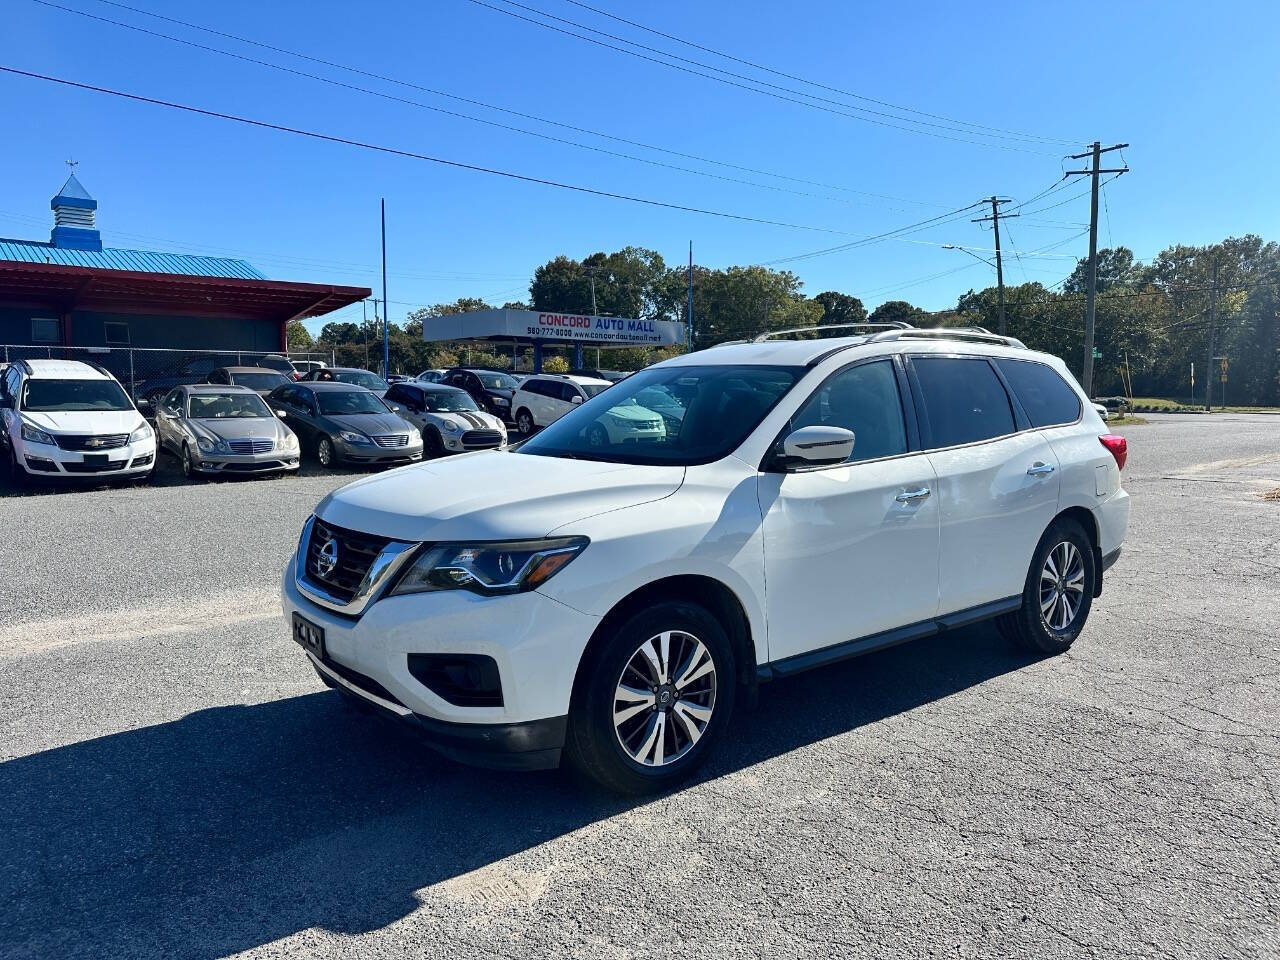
[{"x": 1046, "y": 397}]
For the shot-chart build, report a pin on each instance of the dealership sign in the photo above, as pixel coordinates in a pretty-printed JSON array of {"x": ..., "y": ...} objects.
[{"x": 540, "y": 325}]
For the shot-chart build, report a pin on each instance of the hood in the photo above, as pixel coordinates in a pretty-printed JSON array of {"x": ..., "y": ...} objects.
[
  {"x": 631, "y": 411},
  {"x": 86, "y": 421},
  {"x": 370, "y": 423},
  {"x": 492, "y": 496},
  {"x": 242, "y": 428},
  {"x": 469, "y": 420}
]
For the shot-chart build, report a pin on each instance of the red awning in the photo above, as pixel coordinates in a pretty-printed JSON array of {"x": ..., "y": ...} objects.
[{"x": 65, "y": 288}]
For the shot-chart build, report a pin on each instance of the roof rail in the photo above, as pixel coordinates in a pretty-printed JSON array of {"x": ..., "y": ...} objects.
[
  {"x": 966, "y": 334},
  {"x": 887, "y": 325}
]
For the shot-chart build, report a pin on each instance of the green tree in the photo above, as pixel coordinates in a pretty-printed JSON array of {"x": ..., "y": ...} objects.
[
  {"x": 840, "y": 308},
  {"x": 297, "y": 337},
  {"x": 893, "y": 311},
  {"x": 741, "y": 302}
]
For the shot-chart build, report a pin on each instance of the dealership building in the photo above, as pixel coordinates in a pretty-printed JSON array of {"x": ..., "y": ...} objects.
[
  {"x": 72, "y": 292},
  {"x": 538, "y": 329}
]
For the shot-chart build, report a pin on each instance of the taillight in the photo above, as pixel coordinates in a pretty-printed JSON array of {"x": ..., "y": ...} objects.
[{"x": 1118, "y": 446}]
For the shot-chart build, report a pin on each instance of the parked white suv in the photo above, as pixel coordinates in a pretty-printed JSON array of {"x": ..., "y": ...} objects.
[
  {"x": 65, "y": 418},
  {"x": 543, "y": 398},
  {"x": 817, "y": 500}
]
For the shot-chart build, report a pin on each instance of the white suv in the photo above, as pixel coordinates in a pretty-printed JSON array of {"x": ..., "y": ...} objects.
[
  {"x": 544, "y": 398},
  {"x": 814, "y": 500},
  {"x": 65, "y": 418}
]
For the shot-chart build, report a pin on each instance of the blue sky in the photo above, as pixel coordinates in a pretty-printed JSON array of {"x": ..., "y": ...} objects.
[{"x": 1192, "y": 89}]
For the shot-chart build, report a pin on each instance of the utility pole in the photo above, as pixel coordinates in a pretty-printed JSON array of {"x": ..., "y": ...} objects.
[
  {"x": 1213, "y": 322},
  {"x": 688, "y": 319},
  {"x": 995, "y": 225},
  {"x": 577, "y": 347},
  {"x": 386, "y": 314},
  {"x": 1095, "y": 152},
  {"x": 364, "y": 328}
]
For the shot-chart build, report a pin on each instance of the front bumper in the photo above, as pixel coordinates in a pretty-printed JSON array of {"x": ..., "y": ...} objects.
[
  {"x": 131, "y": 460},
  {"x": 229, "y": 463},
  {"x": 535, "y": 642},
  {"x": 372, "y": 453}
]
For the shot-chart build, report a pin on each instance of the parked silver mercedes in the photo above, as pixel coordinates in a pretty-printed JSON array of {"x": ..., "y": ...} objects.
[
  {"x": 224, "y": 429},
  {"x": 344, "y": 423}
]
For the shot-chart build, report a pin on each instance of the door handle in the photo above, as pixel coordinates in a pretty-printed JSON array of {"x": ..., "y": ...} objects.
[
  {"x": 1039, "y": 469},
  {"x": 907, "y": 496}
]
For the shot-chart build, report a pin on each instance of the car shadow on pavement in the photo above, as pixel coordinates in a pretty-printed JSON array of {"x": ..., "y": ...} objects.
[{"x": 236, "y": 826}]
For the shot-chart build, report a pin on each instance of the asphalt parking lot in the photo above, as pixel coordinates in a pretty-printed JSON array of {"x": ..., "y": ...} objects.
[{"x": 174, "y": 782}]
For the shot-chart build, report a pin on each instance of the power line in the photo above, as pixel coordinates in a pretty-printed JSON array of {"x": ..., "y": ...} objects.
[
  {"x": 734, "y": 83},
  {"x": 441, "y": 110},
  {"x": 395, "y": 151},
  {"x": 473, "y": 102},
  {"x": 812, "y": 83},
  {"x": 865, "y": 241}
]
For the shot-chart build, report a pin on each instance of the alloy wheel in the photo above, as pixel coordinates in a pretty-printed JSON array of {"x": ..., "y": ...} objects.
[
  {"x": 526, "y": 423},
  {"x": 664, "y": 698},
  {"x": 1061, "y": 586},
  {"x": 324, "y": 452}
]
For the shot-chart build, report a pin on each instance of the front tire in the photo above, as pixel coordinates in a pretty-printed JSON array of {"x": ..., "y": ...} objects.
[
  {"x": 524, "y": 422},
  {"x": 325, "y": 452},
  {"x": 652, "y": 700},
  {"x": 189, "y": 470},
  {"x": 432, "y": 444},
  {"x": 1058, "y": 594}
]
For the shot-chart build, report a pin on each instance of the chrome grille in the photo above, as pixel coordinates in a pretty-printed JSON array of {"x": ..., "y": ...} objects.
[
  {"x": 356, "y": 554},
  {"x": 392, "y": 440},
  {"x": 251, "y": 445},
  {"x": 111, "y": 441}
]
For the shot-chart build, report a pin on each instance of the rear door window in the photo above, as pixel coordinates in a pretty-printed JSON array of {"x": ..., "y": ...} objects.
[
  {"x": 1046, "y": 397},
  {"x": 964, "y": 400}
]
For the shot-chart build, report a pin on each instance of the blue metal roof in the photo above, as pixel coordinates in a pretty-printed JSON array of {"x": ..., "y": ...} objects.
[{"x": 140, "y": 261}]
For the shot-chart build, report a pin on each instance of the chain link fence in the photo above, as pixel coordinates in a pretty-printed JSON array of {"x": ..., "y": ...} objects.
[{"x": 148, "y": 373}]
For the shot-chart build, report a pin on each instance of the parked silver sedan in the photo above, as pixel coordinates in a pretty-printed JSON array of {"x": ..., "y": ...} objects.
[{"x": 224, "y": 429}]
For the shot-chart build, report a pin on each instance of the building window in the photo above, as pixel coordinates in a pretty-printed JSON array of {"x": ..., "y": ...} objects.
[
  {"x": 46, "y": 330},
  {"x": 116, "y": 333}
]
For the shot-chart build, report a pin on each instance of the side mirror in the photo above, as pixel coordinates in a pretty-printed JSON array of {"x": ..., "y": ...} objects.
[
  {"x": 816, "y": 447},
  {"x": 280, "y": 413},
  {"x": 575, "y": 399},
  {"x": 396, "y": 408}
]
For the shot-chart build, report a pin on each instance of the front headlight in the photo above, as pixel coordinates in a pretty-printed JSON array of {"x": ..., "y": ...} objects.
[
  {"x": 502, "y": 401},
  {"x": 451, "y": 426},
  {"x": 206, "y": 444},
  {"x": 352, "y": 437},
  {"x": 291, "y": 441},
  {"x": 35, "y": 435},
  {"x": 489, "y": 568},
  {"x": 142, "y": 433}
]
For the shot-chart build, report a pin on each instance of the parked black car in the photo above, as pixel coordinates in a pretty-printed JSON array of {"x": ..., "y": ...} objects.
[
  {"x": 491, "y": 389},
  {"x": 261, "y": 380},
  {"x": 153, "y": 389},
  {"x": 361, "y": 378}
]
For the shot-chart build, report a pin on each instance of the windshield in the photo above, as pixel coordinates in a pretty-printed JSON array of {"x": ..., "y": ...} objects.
[
  {"x": 449, "y": 402},
  {"x": 361, "y": 378},
  {"x": 497, "y": 381},
  {"x": 258, "y": 381},
  {"x": 47, "y": 396},
  {"x": 695, "y": 415},
  {"x": 341, "y": 403},
  {"x": 226, "y": 406},
  {"x": 591, "y": 389}
]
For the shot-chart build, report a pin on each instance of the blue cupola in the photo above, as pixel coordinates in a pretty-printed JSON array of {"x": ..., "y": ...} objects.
[{"x": 73, "y": 218}]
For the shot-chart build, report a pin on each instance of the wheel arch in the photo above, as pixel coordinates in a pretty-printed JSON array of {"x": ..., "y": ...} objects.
[
  {"x": 1089, "y": 523},
  {"x": 704, "y": 591}
]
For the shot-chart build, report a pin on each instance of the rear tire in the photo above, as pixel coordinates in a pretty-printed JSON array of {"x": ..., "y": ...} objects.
[
  {"x": 638, "y": 724},
  {"x": 1058, "y": 594}
]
